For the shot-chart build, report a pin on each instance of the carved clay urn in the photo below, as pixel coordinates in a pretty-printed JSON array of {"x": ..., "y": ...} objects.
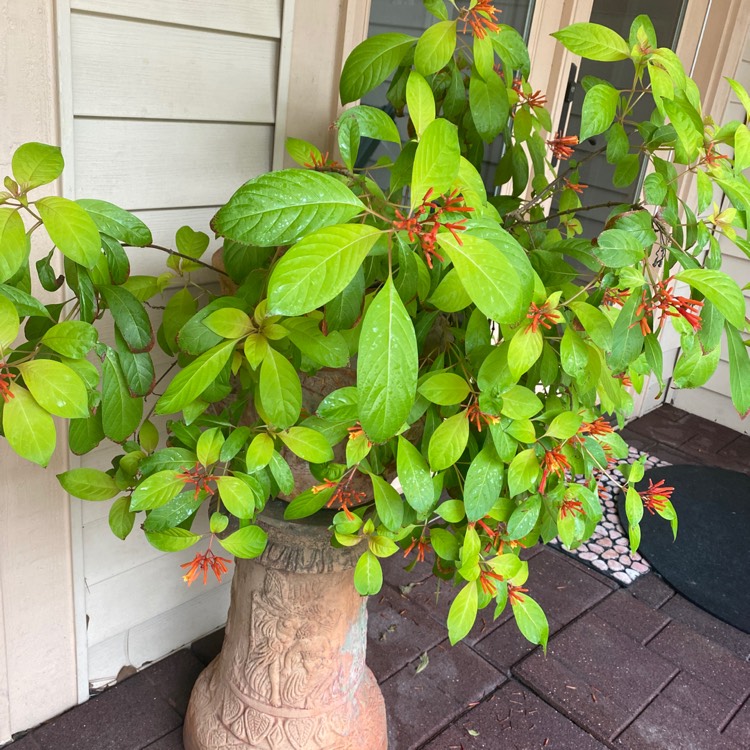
[{"x": 291, "y": 674}]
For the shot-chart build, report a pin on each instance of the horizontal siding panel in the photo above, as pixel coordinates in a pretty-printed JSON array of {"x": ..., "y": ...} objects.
[
  {"x": 104, "y": 555},
  {"x": 715, "y": 407},
  {"x": 130, "y": 69},
  {"x": 257, "y": 17},
  {"x": 159, "y": 636},
  {"x": 140, "y": 594},
  {"x": 148, "y": 165}
]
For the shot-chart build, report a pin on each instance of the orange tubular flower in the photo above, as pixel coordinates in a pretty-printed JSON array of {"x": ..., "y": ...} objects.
[
  {"x": 422, "y": 546},
  {"x": 542, "y": 316},
  {"x": 6, "y": 379},
  {"x": 615, "y": 297},
  {"x": 656, "y": 497},
  {"x": 486, "y": 581},
  {"x": 664, "y": 300},
  {"x": 553, "y": 462},
  {"x": 599, "y": 426},
  {"x": 198, "y": 477},
  {"x": 561, "y": 145},
  {"x": 201, "y": 563},
  {"x": 482, "y": 18},
  {"x": 576, "y": 187},
  {"x": 537, "y": 99},
  {"x": 476, "y": 416},
  {"x": 515, "y": 594},
  {"x": 321, "y": 162},
  {"x": 346, "y": 499},
  {"x": 422, "y": 226},
  {"x": 571, "y": 507}
]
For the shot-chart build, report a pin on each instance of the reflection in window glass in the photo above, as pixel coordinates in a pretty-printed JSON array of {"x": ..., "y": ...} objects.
[{"x": 410, "y": 17}]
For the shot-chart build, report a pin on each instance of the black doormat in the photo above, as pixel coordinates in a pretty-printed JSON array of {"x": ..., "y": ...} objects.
[{"x": 709, "y": 563}]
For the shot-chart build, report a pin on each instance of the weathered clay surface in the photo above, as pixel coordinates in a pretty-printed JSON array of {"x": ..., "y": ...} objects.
[{"x": 291, "y": 674}]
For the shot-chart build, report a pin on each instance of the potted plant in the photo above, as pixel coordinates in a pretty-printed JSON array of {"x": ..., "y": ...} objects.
[{"x": 410, "y": 326}]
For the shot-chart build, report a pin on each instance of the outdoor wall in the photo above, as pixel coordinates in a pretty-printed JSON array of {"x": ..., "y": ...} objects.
[
  {"x": 37, "y": 638},
  {"x": 168, "y": 108},
  {"x": 713, "y": 401}
]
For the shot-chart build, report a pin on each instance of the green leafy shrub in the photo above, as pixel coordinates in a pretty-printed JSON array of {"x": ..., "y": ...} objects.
[{"x": 486, "y": 338}]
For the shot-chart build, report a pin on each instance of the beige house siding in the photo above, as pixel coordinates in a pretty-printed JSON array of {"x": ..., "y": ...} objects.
[
  {"x": 199, "y": 100},
  {"x": 37, "y": 638},
  {"x": 169, "y": 108}
]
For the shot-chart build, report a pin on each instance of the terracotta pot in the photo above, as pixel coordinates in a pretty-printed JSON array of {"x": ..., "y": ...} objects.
[{"x": 291, "y": 674}]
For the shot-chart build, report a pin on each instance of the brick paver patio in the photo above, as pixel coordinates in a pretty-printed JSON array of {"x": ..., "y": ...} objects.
[{"x": 634, "y": 668}]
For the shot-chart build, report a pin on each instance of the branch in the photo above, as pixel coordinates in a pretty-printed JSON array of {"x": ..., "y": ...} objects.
[
  {"x": 185, "y": 257},
  {"x": 608, "y": 204}
]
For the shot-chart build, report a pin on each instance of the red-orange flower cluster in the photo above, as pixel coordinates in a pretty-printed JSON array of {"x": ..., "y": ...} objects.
[
  {"x": 576, "y": 187},
  {"x": 541, "y": 316},
  {"x": 322, "y": 162},
  {"x": 345, "y": 497},
  {"x": 712, "y": 158},
  {"x": 482, "y": 18},
  {"x": 553, "y": 462},
  {"x": 201, "y": 563},
  {"x": 199, "y": 478},
  {"x": 486, "y": 581},
  {"x": 561, "y": 145},
  {"x": 6, "y": 379},
  {"x": 664, "y": 299},
  {"x": 571, "y": 507},
  {"x": 475, "y": 415},
  {"x": 599, "y": 426},
  {"x": 515, "y": 594},
  {"x": 421, "y": 544},
  {"x": 615, "y": 297},
  {"x": 424, "y": 223},
  {"x": 656, "y": 497}
]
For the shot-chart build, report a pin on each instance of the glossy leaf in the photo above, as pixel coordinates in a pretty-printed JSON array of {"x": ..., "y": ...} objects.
[
  {"x": 172, "y": 540},
  {"x": 370, "y": 63},
  {"x": 236, "y": 496},
  {"x": 88, "y": 484},
  {"x": 280, "y": 391},
  {"x": 593, "y": 42},
  {"x": 722, "y": 291},
  {"x": 368, "y": 574},
  {"x": 448, "y": 442},
  {"x": 483, "y": 483},
  {"x": 488, "y": 275},
  {"x": 463, "y": 613},
  {"x": 531, "y": 620},
  {"x": 56, "y": 388},
  {"x": 71, "y": 229},
  {"x": 121, "y": 518},
  {"x": 190, "y": 382},
  {"x": 36, "y": 164},
  {"x": 157, "y": 490},
  {"x": 28, "y": 428},
  {"x": 388, "y": 503},
  {"x": 599, "y": 109},
  {"x": 445, "y": 388},
  {"x": 387, "y": 365},
  {"x": 121, "y": 413},
  {"x": 279, "y": 208},
  {"x": 318, "y": 268},
  {"x": 435, "y": 47},
  {"x": 414, "y": 475},
  {"x": 436, "y": 161},
  {"x": 71, "y": 338},
  {"x": 421, "y": 102},
  {"x": 308, "y": 444},
  {"x": 14, "y": 243},
  {"x": 119, "y": 224}
]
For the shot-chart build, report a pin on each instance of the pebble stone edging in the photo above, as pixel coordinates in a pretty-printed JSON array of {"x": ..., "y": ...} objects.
[{"x": 608, "y": 550}]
